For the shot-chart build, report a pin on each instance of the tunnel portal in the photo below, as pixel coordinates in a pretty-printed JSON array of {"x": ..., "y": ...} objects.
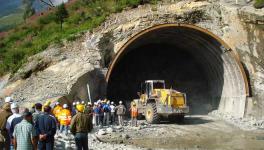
[{"x": 189, "y": 60}]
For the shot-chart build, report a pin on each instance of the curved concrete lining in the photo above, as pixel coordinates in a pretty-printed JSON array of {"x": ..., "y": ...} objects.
[{"x": 189, "y": 58}]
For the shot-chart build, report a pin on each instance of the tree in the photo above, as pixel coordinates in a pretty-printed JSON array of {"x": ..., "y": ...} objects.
[
  {"x": 29, "y": 10},
  {"x": 61, "y": 14}
]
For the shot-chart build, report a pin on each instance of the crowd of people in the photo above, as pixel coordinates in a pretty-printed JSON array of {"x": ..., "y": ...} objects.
[{"x": 38, "y": 127}]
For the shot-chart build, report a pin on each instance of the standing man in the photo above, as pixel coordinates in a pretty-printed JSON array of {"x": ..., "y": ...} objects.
[
  {"x": 89, "y": 110},
  {"x": 5, "y": 112},
  {"x": 121, "y": 110},
  {"x": 16, "y": 121},
  {"x": 25, "y": 134},
  {"x": 65, "y": 119},
  {"x": 106, "y": 109},
  {"x": 37, "y": 112},
  {"x": 46, "y": 129},
  {"x": 97, "y": 111},
  {"x": 73, "y": 108},
  {"x": 112, "y": 106},
  {"x": 81, "y": 124},
  {"x": 15, "y": 111},
  {"x": 101, "y": 114},
  {"x": 134, "y": 113},
  {"x": 56, "y": 110}
]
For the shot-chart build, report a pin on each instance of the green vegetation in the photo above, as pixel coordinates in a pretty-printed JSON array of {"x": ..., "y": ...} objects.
[
  {"x": 259, "y": 4},
  {"x": 35, "y": 36}
]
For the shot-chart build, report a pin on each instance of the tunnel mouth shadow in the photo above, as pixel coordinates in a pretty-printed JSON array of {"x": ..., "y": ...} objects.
[{"x": 188, "y": 120}]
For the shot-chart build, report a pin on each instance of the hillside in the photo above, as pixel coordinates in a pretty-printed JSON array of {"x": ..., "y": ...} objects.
[
  {"x": 11, "y": 13},
  {"x": 36, "y": 35}
]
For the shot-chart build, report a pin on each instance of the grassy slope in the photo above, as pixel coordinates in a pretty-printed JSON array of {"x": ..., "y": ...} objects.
[{"x": 31, "y": 38}]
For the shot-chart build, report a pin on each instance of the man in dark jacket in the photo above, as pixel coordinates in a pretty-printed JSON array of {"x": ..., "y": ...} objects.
[
  {"x": 5, "y": 112},
  {"x": 81, "y": 124},
  {"x": 46, "y": 129},
  {"x": 37, "y": 112}
]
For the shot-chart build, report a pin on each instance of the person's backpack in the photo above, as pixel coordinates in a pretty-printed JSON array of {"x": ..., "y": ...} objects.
[{"x": 106, "y": 108}]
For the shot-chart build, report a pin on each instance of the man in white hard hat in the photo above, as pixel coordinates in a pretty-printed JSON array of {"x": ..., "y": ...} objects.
[
  {"x": 8, "y": 100},
  {"x": 73, "y": 110},
  {"x": 112, "y": 106},
  {"x": 15, "y": 111},
  {"x": 121, "y": 111}
]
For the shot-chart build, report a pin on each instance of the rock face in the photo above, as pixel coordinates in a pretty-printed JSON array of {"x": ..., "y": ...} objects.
[{"x": 67, "y": 70}]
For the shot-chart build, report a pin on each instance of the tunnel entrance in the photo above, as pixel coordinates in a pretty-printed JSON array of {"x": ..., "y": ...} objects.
[{"x": 189, "y": 60}]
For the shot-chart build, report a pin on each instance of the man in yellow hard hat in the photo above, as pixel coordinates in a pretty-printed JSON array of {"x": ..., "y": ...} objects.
[
  {"x": 47, "y": 103},
  {"x": 81, "y": 124}
]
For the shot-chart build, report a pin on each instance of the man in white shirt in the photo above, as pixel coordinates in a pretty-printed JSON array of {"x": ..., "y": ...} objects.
[
  {"x": 15, "y": 111},
  {"x": 112, "y": 106}
]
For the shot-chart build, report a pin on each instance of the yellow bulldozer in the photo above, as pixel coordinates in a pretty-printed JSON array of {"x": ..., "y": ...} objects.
[{"x": 156, "y": 102}]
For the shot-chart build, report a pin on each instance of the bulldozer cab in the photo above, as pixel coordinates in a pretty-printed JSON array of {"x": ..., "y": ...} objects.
[{"x": 149, "y": 85}]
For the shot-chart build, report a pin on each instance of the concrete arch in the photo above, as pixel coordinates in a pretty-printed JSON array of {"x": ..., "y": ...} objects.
[{"x": 220, "y": 63}]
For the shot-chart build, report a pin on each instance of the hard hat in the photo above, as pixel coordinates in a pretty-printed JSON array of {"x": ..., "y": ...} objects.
[
  {"x": 48, "y": 102},
  {"x": 77, "y": 103},
  {"x": 8, "y": 100},
  {"x": 89, "y": 103},
  {"x": 82, "y": 102},
  {"x": 73, "y": 103},
  {"x": 108, "y": 102},
  {"x": 80, "y": 108},
  {"x": 120, "y": 102},
  {"x": 57, "y": 103},
  {"x": 112, "y": 103},
  {"x": 133, "y": 103},
  {"x": 65, "y": 106},
  {"x": 14, "y": 105}
]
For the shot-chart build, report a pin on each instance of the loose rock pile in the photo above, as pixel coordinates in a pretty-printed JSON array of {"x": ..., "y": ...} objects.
[
  {"x": 242, "y": 123},
  {"x": 67, "y": 142}
]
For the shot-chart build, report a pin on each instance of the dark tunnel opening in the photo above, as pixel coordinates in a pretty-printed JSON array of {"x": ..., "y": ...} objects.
[
  {"x": 188, "y": 60},
  {"x": 161, "y": 62}
]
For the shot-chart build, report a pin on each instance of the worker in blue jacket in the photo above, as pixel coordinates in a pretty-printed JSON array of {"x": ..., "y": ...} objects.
[{"x": 46, "y": 129}]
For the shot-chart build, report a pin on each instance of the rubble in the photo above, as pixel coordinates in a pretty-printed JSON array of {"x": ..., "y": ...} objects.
[
  {"x": 242, "y": 123},
  {"x": 198, "y": 132}
]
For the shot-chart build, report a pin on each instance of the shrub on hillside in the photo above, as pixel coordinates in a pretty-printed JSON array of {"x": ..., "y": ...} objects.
[
  {"x": 259, "y": 4},
  {"x": 46, "y": 19}
]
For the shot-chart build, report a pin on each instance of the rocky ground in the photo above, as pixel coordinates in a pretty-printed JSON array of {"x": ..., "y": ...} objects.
[
  {"x": 197, "y": 132},
  {"x": 249, "y": 123}
]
